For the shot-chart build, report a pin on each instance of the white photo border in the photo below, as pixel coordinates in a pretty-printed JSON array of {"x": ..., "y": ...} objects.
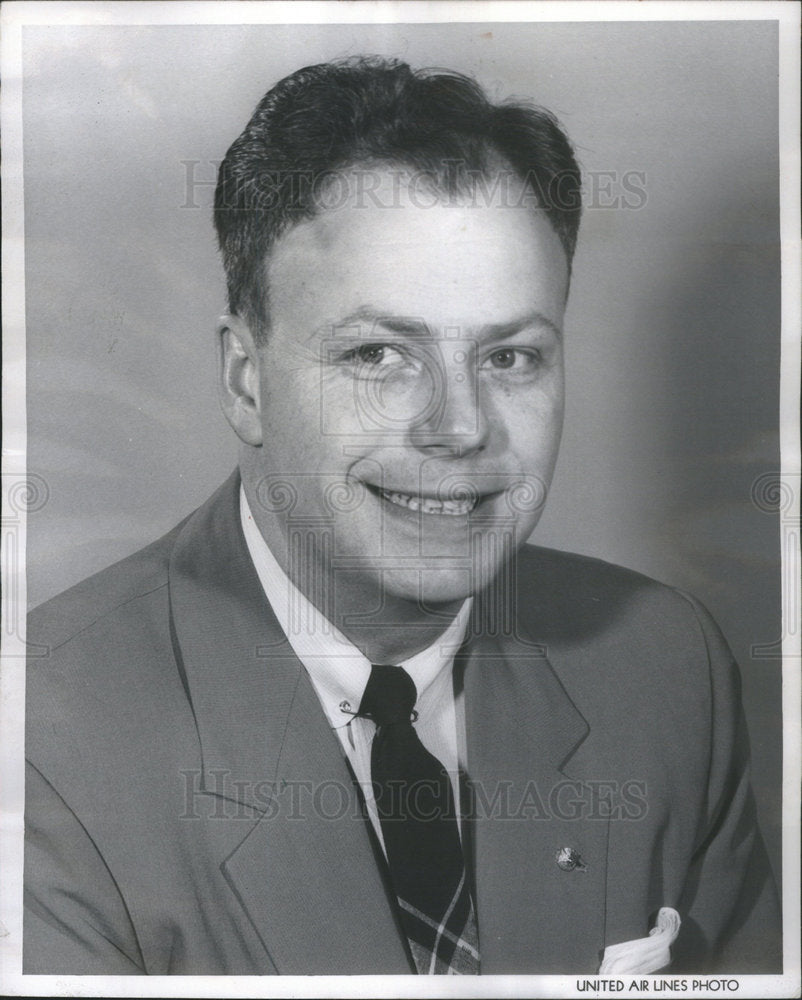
[{"x": 18, "y": 15}]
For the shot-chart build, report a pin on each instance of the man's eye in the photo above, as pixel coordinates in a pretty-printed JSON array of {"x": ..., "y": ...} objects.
[
  {"x": 375, "y": 355},
  {"x": 512, "y": 358}
]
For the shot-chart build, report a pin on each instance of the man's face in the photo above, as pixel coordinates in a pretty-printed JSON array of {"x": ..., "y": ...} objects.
[{"x": 411, "y": 394}]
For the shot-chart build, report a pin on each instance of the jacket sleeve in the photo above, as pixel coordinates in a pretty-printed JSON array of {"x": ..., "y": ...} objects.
[
  {"x": 75, "y": 919},
  {"x": 730, "y": 912}
]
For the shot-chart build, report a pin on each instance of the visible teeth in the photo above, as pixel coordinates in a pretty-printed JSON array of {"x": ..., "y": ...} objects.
[{"x": 454, "y": 508}]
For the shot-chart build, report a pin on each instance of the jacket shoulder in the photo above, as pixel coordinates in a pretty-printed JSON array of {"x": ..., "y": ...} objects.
[
  {"x": 580, "y": 577},
  {"x": 101, "y": 662},
  {"x": 575, "y": 597},
  {"x": 77, "y": 609}
]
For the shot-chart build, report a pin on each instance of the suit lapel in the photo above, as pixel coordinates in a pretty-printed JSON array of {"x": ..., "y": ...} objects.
[
  {"x": 303, "y": 869},
  {"x": 306, "y": 873},
  {"x": 523, "y": 732}
]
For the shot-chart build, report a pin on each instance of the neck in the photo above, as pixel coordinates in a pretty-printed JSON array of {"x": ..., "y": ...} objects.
[{"x": 395, "y": 629}]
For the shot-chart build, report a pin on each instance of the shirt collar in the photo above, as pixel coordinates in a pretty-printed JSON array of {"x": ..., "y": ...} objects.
[{"x": 337, "y": 668}]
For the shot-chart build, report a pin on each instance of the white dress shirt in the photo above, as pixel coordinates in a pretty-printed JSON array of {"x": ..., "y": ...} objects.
[{"x": 339, "y": 672}]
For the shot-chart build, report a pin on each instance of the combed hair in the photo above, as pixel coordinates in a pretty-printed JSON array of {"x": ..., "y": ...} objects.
[{"x": 370, "y": 111}]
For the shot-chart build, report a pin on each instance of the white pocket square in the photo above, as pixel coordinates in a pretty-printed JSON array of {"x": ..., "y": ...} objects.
[{"x": 647, "y": 954}]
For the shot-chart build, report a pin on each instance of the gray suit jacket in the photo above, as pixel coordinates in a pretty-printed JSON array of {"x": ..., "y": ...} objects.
[{"x": 189, "y": 809}]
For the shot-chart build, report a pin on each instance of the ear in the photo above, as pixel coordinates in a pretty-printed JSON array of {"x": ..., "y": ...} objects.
[{"x": 238, "y": 378}]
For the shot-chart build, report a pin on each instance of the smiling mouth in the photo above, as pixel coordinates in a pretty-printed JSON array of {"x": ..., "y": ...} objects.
[{"x": 426, "y": 505}]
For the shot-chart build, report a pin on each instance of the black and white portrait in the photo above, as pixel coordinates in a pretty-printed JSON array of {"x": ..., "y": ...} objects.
[{"x": 402, "y": 498}]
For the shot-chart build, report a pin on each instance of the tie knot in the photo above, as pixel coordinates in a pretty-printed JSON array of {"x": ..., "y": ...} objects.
[{"x": 390, "y": 695}]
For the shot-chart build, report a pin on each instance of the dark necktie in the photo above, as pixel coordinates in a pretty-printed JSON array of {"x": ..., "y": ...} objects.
[{"x": 415, "y": 803}]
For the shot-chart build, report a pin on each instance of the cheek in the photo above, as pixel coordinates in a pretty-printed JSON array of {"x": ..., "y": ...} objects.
[
  {"x": 535, "y": 446},
  {"x": 291, "y": 394},
  {"x": 363, "y": 409},
  {"x": 333, "y": 404},
  {"x": 533, "y": 420}
]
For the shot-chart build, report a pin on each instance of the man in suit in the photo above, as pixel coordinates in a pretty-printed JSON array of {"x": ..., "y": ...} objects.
[{"x": 342, "y": 719}]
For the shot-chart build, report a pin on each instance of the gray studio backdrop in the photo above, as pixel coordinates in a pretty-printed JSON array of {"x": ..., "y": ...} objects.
[{"x": 673, "y": 339}]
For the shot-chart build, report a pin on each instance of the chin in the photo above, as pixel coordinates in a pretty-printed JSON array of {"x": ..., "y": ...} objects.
[{"x": 430, "y": 587}]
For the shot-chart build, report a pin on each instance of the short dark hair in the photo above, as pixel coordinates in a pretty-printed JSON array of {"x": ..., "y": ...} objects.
[{"x": 370, "y": 111}]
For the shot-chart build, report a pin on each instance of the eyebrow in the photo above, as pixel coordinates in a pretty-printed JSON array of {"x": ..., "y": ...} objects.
[
  {"x": 412, "y": 326},
  {"x": 498, "y": 331}
]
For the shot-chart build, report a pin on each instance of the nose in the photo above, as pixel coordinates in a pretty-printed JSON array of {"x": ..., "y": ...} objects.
[{"x": 456, "y": 424}]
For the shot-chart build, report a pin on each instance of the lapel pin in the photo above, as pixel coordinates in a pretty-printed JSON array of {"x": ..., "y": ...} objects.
[{"x": 568, "y": 859}]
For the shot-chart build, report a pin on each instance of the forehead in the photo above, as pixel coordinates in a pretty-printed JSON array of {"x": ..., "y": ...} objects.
[{"x": 449, "y": 260}]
